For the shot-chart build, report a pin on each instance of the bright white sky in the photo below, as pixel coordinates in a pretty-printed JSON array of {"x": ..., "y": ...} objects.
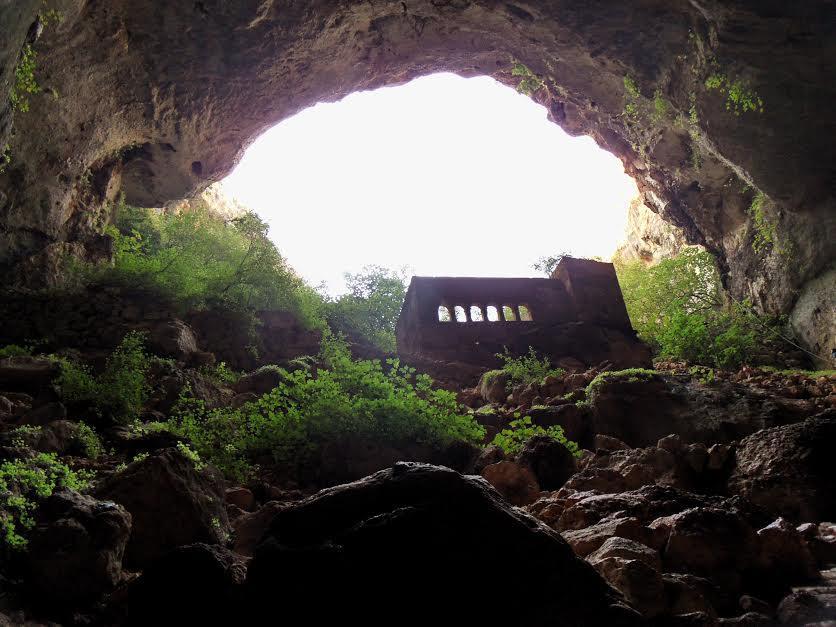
[{"x": 445, "y": 175}]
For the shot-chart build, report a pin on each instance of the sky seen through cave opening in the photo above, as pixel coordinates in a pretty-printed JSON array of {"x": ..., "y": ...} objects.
[{"x": 445, "y": 176}]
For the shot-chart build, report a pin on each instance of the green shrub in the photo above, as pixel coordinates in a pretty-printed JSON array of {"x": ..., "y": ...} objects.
[
  {"x": 678, "y": 308},
  {"x": 120, "y": 391},
  {"x": 89, "y": 440},
  {"x": 512, "y": 439},
  {"x": 24, "y": 483},
  {"x": 528, "y": 368},
  {"x": 529, "y": 83},
  {"x": 370, "y": 309},
  {"x": 221, "y": 374},
  {"x": 358, "y": 400},
  {"x": 14, "y": 350},
  {"x": 199, "y": 259}
]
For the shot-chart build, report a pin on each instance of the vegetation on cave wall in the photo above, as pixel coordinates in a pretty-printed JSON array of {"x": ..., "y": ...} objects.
[
  {"x": 678, "y": 307},
  {"x": 198, "y": 259}
]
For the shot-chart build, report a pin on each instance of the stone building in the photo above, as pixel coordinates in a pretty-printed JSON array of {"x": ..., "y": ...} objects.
[{"x": 578, "y": 313}]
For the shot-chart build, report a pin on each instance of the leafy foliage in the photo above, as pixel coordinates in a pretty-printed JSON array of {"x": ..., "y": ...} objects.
[
  {"x": 678, "y": 308},
  {"x": 370, "y": 309},
  {"x": 89, "y": 440},
  {"x": 740, "y": 97},
  {"x": 25, "y": 83},
  {"x": 197, "y": 258},
  {"x": 528, "y": 368},
  {"x": 512, "y": 439},
  {"x": 120, "y": 390},
  {"x": 359, "y": 400},
  {"x": 24, "y": 483},
  {"x": 631, "y": 95},
  {"x": 15, "y": 350},
  {"x": 766, "y": 232},
  {"x": 529, "y": 83}
]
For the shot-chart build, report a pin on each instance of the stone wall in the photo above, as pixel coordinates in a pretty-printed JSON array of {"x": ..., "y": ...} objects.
[{"x": 579, "y": 313}]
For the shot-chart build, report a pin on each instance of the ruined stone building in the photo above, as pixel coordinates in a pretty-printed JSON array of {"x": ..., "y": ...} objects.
[{"x": 578, "y": 313}]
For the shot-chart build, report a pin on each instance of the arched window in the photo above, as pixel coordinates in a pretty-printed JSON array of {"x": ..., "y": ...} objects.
[
  {"x": 525, "y": 313},
  {"x": 444, "y": 313},
  {"x": 493, "y": 313},
  {"x": 476, "y": 313},
  {"x": 461, "y": 316},
  {"x": 508, "y": 313}
]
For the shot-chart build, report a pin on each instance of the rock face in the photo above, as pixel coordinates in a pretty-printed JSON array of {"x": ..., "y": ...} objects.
[
  {"x": 790, "y": 471},
  {"x": 416, "y": 532},
  {"x": 160, "y": 114},
  {"x": 75, "y": 551},
  {"x": 198, "y": 584},
  {"x": 171, "y": 502},
  {"x": 648, "y": 238}
]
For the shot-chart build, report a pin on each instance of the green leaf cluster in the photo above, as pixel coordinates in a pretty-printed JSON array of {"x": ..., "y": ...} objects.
[
  {"x": 357, "y": 400},
  {"x": 25, "y": 83},
  {"x": 512, "y": 439},
  {"x": 740, "y": 97},
  {"x": 529, "y": 83},
  {"x": 24, "y": 483},
  {"x": 527, "y": 369},
  {"x": 120, "y": 391}
]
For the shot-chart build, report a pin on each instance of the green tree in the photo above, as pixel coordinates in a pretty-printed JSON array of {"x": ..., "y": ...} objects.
[{"x": 370, "y": 309}]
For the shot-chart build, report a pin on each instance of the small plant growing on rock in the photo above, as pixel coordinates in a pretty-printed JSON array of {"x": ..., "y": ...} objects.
[
  {"x": 25, "y": 83},
  {"x": 740, "y": 97},
  {"x": 631, "y": 95},
  {"x": 529, "y": 83},
  {"x": 89, "y": 440},
  {"x": 527, "y": 369},
  {"x": 512, "y": 439},
  {"x": 191, "y": 455},
  {"x": 629, "y": 375},
  {"x": 24, "y": 483}
]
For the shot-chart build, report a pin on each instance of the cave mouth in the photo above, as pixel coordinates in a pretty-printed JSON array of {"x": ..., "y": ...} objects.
[{"x": 443, "y": 175}]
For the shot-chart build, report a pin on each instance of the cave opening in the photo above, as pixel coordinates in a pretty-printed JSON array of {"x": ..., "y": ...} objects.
[{"x": 441, "y": 176}]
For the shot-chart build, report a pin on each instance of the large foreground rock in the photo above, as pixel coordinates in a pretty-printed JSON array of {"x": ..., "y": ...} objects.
[
  {"x": 172, "y": 503},
  {"x": 75, "y": 551},
  {"x": 416, "y": 544},
  {"x": 791, "y": 471}
]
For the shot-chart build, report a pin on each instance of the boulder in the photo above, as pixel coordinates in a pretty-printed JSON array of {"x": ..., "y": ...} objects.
[
  {"x": 171, "y": 502},
  {"x": 198, "y": 584},
  {"x": 417, "y": 532},
  {"x": 240, "y": 497},
  {"x": 260, "y": 381},
  {"x": 513, "y": 481},
  {"x": 75, "y": 550},
  {"x": 493, "y": 386},
  {"x": 250, "y": 527},
  {"x": 803, "y": 608},
  {"x": 27, "y": 374},
  {"x": 785, "y": 554},
  {"x": 573, "y": 419},
  {"x": 172, "y": 338},
  {"x": 550, "y": 461},
  {"x": 790, "y": 471}
]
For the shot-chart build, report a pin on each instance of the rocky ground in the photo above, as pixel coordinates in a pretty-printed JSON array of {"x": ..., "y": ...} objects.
[{"x": 699, "y": 498}]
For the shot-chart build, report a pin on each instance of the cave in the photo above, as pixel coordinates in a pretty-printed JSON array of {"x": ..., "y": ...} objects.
[{"x": 676, "y": 495}]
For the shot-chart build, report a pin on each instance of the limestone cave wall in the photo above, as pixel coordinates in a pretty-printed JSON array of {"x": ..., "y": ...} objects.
[{"x": 712, "y": 106}]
